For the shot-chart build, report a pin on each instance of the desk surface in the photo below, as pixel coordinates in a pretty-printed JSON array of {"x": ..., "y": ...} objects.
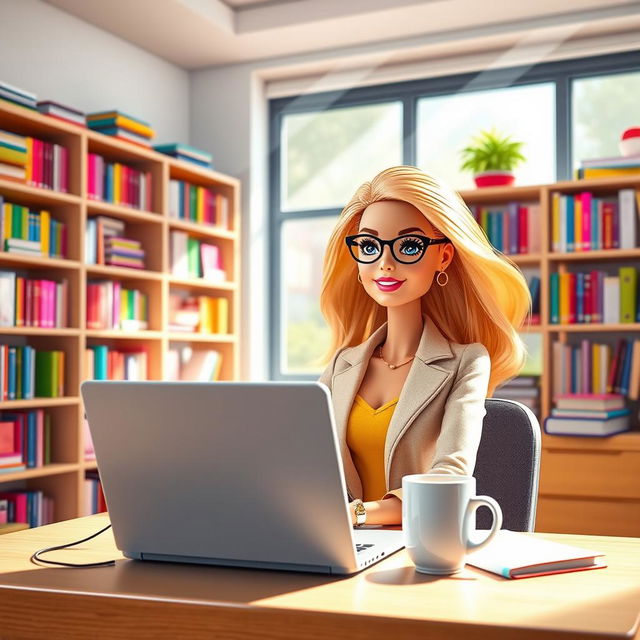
[{"x": 388, "y": 600}]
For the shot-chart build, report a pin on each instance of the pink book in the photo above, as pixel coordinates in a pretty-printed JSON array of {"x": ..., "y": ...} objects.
[
  {"x": 585, "y": 198},
  {"x": 35, "y": 163},
  {"x": 116, "y": 304},
  {"x": 53, "y": 301},
  {"x": 91, "y": 169}
]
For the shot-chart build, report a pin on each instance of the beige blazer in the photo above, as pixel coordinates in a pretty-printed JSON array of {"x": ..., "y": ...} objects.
[{"x": 437, "y": 422}]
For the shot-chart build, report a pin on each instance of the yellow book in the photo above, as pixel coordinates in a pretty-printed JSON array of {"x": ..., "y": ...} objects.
[
  {"x": 8, "y": 218},
  {"x": 116, "y": 183},
  {"x": 564, "y": 298},
  {"x": 200, "y": 204},
  {"x": 124, "y": 304},
  {"x": 206, "y": 314},
  {"x": 594, "y": 172},
  {"x": 577, "y": 223},
  {"x": 60, "y": 372},
  {"x": 45, "y": 229},
  {"x": 595, "y": 367},
  {"x": 555, "y": 222},
  {"x": 12, "y": 156},
  {"x": 222, "y": 315}
]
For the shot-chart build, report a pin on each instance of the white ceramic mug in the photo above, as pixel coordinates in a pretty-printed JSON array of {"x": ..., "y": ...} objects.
[{"x": 438, "y": 520}]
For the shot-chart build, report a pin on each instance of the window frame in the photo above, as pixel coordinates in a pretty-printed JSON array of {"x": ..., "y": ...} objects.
[{"x": 562, "y": 73}]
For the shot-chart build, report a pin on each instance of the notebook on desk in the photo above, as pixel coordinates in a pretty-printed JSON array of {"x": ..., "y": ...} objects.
[{"x": 244, "y": 474}]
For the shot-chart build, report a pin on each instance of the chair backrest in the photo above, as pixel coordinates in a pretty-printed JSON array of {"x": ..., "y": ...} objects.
[{"x": 508, "y": 464}]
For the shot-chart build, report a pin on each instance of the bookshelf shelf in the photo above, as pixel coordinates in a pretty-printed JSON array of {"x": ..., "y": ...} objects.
[
  {"x": 38, "y": 472},
  {"x": 36, "y": 195},
  {"x": 608, "y": 467},
  {"x": 177, "y": 336},
  {"x": 64, "y": 480},
  {"x": 630, "y": 326},
  {"x": 599, "y": 254},
  {"x": 9, "y": 405}
]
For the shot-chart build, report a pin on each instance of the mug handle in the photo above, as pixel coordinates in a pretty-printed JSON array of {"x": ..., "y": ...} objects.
[{"x": 469, "y": 525}]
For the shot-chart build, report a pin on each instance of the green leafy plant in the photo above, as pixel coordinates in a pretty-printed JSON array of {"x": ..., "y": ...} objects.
[{"x": 491, "y": 152}]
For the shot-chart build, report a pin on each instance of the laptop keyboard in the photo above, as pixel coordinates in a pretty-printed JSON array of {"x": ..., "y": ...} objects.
[{"x": 362, "y": 547}]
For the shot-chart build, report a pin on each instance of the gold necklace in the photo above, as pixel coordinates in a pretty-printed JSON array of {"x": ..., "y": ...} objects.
[{"x": 392, "y": 366}]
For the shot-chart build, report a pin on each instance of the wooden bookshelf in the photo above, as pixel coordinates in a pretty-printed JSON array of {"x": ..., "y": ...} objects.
[
  {"x": 587, "y": 485},
  {"x": 64, "y": 478}
]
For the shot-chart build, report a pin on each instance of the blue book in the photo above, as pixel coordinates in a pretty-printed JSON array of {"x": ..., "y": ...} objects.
[
  {"x": 32, "y": 439},
  {"x": 11, "y": 377},
  {"x": 18, "y": 467},
  {"x": 579, "y": 297},
  {"x": 500, "y": 230},
  {"x": 626, "y": 368},
  {"x": 571, "y": 231}
]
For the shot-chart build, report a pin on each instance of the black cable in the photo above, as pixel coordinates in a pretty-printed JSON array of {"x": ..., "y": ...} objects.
[{"x": 35, "y": 558}]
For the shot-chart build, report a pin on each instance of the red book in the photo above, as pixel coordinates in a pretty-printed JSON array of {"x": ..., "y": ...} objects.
[
  {"x": 523, "y": 224},
  {"x": 8, "y": 433},
  {"x": 19, "y": 501},
  {"x": 615, "y": 363}
]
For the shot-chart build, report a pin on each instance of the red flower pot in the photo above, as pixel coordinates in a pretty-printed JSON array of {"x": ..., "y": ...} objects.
[{"x": 494, "y": 179}]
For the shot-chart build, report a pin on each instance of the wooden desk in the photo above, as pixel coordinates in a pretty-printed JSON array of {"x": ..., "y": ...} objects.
[{"x": 389, "y": 600}]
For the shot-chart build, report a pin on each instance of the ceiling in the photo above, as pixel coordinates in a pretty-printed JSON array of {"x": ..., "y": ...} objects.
[{"x": 195, "y": 34}]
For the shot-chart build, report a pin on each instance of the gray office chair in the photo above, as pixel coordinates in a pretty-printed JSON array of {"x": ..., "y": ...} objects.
[{"x": 508, "y": 464}]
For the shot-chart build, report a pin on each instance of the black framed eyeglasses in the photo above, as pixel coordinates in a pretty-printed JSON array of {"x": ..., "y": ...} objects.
[{"x": 407, "y": 249}]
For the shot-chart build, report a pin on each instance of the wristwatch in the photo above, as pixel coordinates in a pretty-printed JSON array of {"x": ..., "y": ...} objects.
[{"x": 360, "y": 512}]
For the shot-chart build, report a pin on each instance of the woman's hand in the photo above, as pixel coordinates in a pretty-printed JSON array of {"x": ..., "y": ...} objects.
[{"x": 387, "y": 511}]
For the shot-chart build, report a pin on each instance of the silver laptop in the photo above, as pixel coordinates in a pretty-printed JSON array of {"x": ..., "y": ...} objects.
[{"x": 244, "y": 474}]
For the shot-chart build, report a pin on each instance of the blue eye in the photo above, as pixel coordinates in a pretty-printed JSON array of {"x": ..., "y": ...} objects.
[
  {"x": 411, "y": 246},
  {"x": 366, "y": 245}
]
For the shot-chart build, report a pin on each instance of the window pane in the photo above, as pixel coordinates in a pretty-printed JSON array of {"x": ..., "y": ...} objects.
[
  {"x": 326, "y": 155},
  {"x": 526, "y": 114},
  {"x": 305, "y": 335},
  {"x": 602, "y": 108}
]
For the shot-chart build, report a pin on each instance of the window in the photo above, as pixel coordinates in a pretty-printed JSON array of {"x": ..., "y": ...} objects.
[
  {"x": 446, "y": 124},
  {"x": 325, "y": 145}
]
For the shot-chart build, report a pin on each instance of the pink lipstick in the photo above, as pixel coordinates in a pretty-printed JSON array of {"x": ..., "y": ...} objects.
[{"x": 389, "y": 284}]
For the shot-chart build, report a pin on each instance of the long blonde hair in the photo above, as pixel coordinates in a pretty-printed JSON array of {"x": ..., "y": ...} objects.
[{"x": 486, "y": 299}]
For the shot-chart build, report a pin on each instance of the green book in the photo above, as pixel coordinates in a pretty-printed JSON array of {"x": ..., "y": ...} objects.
[
  {"x": 100, "y": 360},
  {"x": 554, "y": 295},
  {"x": 628, "y": 289},
  {"x": 193, "y": 253},
  {"x": 131, "y": 304},
  {"x": 46, "y": 374}
]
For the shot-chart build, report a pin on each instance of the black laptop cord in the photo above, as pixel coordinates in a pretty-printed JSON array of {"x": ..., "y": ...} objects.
[{"x": 36, "y": 559}]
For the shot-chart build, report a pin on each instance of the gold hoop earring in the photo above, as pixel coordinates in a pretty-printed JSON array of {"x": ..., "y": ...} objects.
[
  {"x": 359, "y": 279},
  {"x": 446, "y": 278}
]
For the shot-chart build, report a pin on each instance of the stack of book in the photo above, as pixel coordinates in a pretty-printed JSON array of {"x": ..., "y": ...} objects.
[
  {"x": 117, "y": 183},
  {"x": 512, "y": 228},
  {"x": 94, "y": 501},
  {"x": 25, "y": 440},
  {"x": 32, "y": 508},
  {"x": 17, "y": 95},
  {"x": 111, "y": 306},
  {"x": 198, "y": 204},
  {"x": 524, "y": 389},
  {"x": 588, "y": 414},
  {"x": 608, "y": 167},
  {"x": 62, "y": 112},
  {"x": 29, "y": 232},
  {"x": 583, "y": 222},
  {"x": 103, "y": 363},
  {"x": 594, "y": 296},
  {"x": 185, "y": 152},
  {"x": 105, "y": 244},
  {"x": 192, "y": 258},
  {"x": 122, "y": 126},
  {"x": 597, "y": 368},
  {"x": 28, "y": 302},
  {"x": 193, "y": 365},
  {"x": 13, "y": 156}
]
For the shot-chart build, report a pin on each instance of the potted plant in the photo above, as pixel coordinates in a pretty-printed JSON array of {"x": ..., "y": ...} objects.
[{"x": 492, "y": 158}]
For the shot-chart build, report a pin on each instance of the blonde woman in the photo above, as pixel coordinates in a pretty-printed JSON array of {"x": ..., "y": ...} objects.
[{"x": 423, "y": 314}]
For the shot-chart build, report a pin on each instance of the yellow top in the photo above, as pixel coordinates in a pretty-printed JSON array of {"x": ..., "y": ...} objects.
[{"x": 366, "y": 435}]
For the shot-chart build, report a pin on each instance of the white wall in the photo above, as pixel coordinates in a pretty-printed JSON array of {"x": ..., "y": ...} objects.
[{"x": 58, "y": 57}]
